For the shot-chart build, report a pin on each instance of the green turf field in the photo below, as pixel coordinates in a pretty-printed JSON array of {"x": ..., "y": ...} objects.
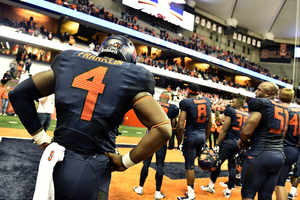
[
  {"x": 132, "y": 131},
  {"x": 14, "y": 122}
]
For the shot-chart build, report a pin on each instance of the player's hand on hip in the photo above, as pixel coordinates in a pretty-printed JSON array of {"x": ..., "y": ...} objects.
[
  {"x": 44, "y": 145},
  {"x": 116, "y": 161},
  {"x": 241, "y": 144}
]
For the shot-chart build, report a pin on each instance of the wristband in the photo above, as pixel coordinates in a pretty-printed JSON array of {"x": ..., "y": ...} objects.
[
  {"x": 243, "y": 141},
  {"x": 42, "y": 137},
  {"x": 127, "y": 162}
]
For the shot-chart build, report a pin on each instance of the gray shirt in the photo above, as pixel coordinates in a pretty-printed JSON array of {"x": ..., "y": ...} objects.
[{"x": 13, "y": 64}]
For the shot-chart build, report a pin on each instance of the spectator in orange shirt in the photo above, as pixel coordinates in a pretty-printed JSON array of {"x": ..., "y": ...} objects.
[
  {"x": 73, "y": 6},
  {"x": 97, "y": 12},
  {"x": 59, "y": 2},
  {"x": 192, "y": 73},
  {"x": 20, "y": 69},
  {"x": 5, "y": 101},
  {"x": 134, "y": 27},
  {"x": 72, "y": 41},
  {"x": 153, "y": 33},
  {"x": 135, "y": 19}
]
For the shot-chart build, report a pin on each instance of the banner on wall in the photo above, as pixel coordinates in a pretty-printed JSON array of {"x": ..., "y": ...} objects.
[
  {"x": 203, "y": 22},
  {"x": 253, "y": 42},
  {"x": 234, "y": 36},
  {"x": 208, "y": 24},
  {"x": 258, "y": 44},
  {"x": 220, "y": 29},
  {"x": 274, "y": 54},
  {"x": 197, "y": 20},
  {"x": 214, "y": 27},
  {"x": 244, "y": 38},
  {"x": 249, "y": 40},
  {"x": 283, "y": 49},
  {"x": 239, "y": 37}
]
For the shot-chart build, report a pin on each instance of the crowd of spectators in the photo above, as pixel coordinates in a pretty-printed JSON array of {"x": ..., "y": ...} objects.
[
  {"x": 219, "y": 103},
  {"x": 28, "y": 27},
  {"x": 208, "y": 74},
  {"x": 195, "y": 42},
  {"x": 67, "y": 38}
]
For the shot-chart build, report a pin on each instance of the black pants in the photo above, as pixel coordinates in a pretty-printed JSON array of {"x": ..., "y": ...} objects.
[
  {"x": 160, "y": 159},
  {"x": 171, "y": 141},
  {"x": 227, "y": 151},
  {"x": 215, "y": 135}
]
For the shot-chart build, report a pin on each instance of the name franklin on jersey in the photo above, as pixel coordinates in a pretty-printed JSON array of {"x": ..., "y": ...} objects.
[{"x": 93, "y": 57}]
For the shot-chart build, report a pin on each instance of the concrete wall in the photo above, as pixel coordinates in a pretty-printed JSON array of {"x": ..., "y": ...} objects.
[{"x": 283, "y": 69}]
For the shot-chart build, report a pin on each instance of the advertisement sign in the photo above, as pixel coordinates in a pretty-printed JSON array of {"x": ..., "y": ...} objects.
[{"x": 274, "y": 54}]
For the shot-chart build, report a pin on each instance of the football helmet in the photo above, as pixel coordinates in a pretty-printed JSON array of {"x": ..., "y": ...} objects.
[
  {"x": 293, "y": 170},
  {"x": 118, "y": 47},
  {"x": 239, "y": 158},
  {"x": 208, "y": 160}
]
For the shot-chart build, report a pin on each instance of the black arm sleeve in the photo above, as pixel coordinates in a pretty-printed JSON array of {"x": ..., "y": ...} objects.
[{"x": 22, "y": 99}]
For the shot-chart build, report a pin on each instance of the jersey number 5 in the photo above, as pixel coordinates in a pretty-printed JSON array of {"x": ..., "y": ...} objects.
[
  {"x": 92, "y": 82},
  {"x": 283, "y": 116}
]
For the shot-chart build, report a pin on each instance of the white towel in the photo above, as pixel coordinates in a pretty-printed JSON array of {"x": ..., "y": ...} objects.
[{"x": 44, "y": 187}]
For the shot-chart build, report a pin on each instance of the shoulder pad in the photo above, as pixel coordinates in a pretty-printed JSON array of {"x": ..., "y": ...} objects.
[
  {"x": 255, "y": 104},
  {"x": 183, "y": 104},
  {"x": 228, "y": 111}
]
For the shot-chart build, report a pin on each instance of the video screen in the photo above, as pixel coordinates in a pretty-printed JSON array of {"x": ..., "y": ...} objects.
[
  {"x": 297, "y": 52},
  {"x": 170, "y": 11}
]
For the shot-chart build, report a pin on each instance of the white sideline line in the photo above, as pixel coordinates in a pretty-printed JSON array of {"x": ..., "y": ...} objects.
[
  {"x": 22, "y": 138},
  {"x": 126, "y": 143}
]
